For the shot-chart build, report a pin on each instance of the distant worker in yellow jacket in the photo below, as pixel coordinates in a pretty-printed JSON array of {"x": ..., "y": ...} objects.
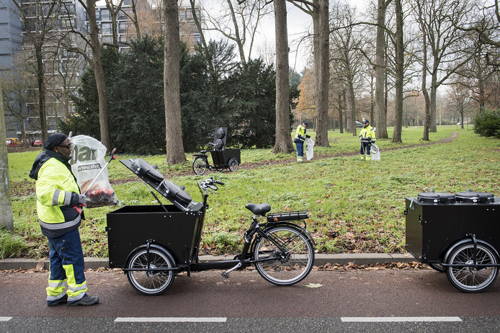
[
  {"x": 300, "y": 137},
  {"x": 367, "y": 137},
  {"x": 59, "y": 207}
]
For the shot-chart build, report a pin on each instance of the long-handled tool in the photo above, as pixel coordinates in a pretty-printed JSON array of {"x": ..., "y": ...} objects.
[{"x": 105, "y": 166}]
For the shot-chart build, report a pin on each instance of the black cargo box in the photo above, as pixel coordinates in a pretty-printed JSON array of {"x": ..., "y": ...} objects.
[
  {"x": 431, "y": 228},
  {"x": 221, "y": 158},
  {"x": 132, "y": 226}
]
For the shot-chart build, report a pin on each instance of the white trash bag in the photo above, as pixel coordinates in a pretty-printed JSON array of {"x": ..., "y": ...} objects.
[
  {"x": 309, "y": 148},
  {"x": 87, "y": 163},
  {"x": 375, "y": 152}
]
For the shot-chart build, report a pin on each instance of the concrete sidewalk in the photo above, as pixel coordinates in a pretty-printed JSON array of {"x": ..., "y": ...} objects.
[{"x": 321, "y": 259}]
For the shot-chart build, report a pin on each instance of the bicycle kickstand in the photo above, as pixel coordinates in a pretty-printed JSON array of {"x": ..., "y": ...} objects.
[{"x": 225, "y": 274}]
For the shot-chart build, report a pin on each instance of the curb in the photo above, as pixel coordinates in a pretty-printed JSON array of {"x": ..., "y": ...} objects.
[{"x": 321, "y": 259}]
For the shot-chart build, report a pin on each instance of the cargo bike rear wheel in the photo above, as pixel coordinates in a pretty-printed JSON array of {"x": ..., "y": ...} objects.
[
  {"x": 472, "y": 279},
  {"x": 284, "y": 268},
  {"x": 148, "y": 270}
]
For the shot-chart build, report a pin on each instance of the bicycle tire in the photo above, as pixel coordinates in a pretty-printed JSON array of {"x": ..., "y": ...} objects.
[
  {"x": 151, "y": 283},
  {"x": 200, "y": 166},
  {"x": 292, "y": 267},
  {"x": 469, "y": 279}
]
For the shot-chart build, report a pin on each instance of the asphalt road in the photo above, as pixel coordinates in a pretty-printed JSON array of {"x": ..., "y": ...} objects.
[{"x": 415, "y": 300}]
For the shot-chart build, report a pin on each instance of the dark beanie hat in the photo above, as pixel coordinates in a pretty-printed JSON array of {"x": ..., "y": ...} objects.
[{"x": 54, "y": 140}]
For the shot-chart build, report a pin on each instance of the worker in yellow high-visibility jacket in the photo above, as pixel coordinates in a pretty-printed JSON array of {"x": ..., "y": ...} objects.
[
  {"x": 367, "y": 137},
  {"x": 300, "y": 137},
  {"x": 59, "y": 206}
]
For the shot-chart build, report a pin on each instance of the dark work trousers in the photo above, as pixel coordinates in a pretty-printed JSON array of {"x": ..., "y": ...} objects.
[
  {"x": 300, "y": 147},
  {"x": 66, "y": 267},
  {"x": 365, "y": 148}
]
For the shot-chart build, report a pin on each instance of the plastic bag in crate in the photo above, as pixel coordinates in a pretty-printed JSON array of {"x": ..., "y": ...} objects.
[{"x": 87, "y": 162}]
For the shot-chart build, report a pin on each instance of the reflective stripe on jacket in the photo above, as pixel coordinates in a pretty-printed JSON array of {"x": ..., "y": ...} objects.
[
  {"x": 367, "y": 134},
  {"x": 54, "y": 187},
  {"x": 300, "y": 133}
]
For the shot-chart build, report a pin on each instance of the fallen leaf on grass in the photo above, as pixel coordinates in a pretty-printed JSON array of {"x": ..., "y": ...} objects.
[{"x": 313, "y": 285}]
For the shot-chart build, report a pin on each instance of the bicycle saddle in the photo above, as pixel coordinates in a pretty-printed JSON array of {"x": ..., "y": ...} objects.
[{"x": 261, "y": 209}]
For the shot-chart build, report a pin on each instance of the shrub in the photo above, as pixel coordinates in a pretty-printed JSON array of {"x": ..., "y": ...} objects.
[
  {"x": 11, "y": 246},
  {"x": 487, "y": 123}
]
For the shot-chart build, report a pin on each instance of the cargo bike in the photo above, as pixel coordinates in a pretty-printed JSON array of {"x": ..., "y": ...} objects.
[
  {"x": 153, "y": 243},
  {"x": 458, "y": 234},
  {"x": 226, "y": 159}
]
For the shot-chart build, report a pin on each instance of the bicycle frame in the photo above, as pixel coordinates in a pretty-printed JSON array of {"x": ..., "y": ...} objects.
[{"x": 244, "y": 259}]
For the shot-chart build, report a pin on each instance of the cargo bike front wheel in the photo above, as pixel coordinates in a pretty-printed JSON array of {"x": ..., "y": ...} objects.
[
  {"x": 468, "y": 278},
  {"x": 150, "y": 271},
  {"x": 285, "y": 256}
]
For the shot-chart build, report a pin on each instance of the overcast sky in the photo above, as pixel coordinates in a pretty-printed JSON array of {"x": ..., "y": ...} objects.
[{"x": 299, "y": 26}]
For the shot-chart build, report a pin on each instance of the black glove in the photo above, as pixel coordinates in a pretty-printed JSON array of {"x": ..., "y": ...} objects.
[
  {"x": 308, "y": 136},
  {"x": 78, "y": 199}
]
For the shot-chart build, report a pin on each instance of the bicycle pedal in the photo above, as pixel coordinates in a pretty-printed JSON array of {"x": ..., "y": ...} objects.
[{"x": 225, "y": 275}]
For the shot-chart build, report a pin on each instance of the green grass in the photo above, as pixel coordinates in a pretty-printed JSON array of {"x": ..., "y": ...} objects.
[{"x": 364, "y": 201}]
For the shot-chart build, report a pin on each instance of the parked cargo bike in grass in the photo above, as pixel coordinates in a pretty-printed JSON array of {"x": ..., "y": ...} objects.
[
  {"x": 153, "y": 243},
  {"x": 227, "y": 159},
  {"x": 458, "y": 234}
]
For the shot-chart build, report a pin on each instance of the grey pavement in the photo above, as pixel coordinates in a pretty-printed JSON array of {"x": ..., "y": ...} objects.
[{"x": 321, "y": 259}]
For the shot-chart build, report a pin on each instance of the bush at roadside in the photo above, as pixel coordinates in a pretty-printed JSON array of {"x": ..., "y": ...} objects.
[
  {"x": 487, "y": 123},
  {"x": 11, "y": 246}
]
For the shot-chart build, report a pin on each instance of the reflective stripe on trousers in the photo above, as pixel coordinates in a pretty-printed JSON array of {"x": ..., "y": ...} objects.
[
  {"x": 66, "y": 267},
  {"x": 56, "y": 289}
]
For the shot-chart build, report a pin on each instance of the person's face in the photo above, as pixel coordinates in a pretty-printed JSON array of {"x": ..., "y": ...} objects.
[
  {"x": 366, "y": 124},
  {"x": 64, "y": 148}
]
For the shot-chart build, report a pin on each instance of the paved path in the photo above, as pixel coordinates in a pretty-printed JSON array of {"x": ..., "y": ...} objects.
[{"x": 326, "y": 300}]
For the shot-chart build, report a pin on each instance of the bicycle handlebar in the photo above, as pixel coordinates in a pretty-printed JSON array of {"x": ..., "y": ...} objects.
[{"x": 209, "y": 183}]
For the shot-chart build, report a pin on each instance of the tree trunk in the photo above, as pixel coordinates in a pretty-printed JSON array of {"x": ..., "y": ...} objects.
[
  {"x": 238, "y": 40},
  {"x": 99, "y": 75},
  {"x": 283, "y": 142},
  {"x": 136, "y": 20},
  {"x": 372, "y": 101},
  {"x": 399, "y": 72},
  {"x": 323, "y": 73},
  {"x": 341, "y": 120},
  {"x": 40, "y": 78},
  {"x": 352, "y": 107},
  {"x": 171, "y": 81},
  {"x": 380, "y": 70},
  {"x": 433, "y": 127},
  {"x": 6, "y": 220},
  {"x": 480, "y": 85},
  {"x": 114, "y": 26}
]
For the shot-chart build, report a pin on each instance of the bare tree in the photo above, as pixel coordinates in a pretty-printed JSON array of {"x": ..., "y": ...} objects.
[
  {"x": 319, "y": 11},
  {"x": 171, "y": 81},
  {"x": 114, "y": 7},
  {"x": 437, "y": 19},
  {"x": 16, "y": 92},
  {"x": 237, "y": 20},
  {"x": 283, "y": 143},
  {"x": 346, "y": 56},
  {"x": 459, "y": 98},
  {"x": 40, "y": 20},
  {"x": 6, "y": 220}
]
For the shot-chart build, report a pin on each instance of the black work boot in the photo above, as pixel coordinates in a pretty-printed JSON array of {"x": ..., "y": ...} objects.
[
  {"x": 62, "y": 300},
  {"x": 85, "y": 300}
]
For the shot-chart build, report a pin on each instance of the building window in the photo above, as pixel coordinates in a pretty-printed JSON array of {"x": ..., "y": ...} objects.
[
  {"x": 106, "y": 29},
  {"x": 107, "y": 39},
  {"x": 122, "y": 15},
  {"x": 122, "y": 27},
  {"x": 105, "y": 15},
  {"x": 197, "y": 37}
]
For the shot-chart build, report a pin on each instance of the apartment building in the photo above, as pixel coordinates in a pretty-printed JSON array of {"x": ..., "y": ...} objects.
[{"x": 10, "y": 44}]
